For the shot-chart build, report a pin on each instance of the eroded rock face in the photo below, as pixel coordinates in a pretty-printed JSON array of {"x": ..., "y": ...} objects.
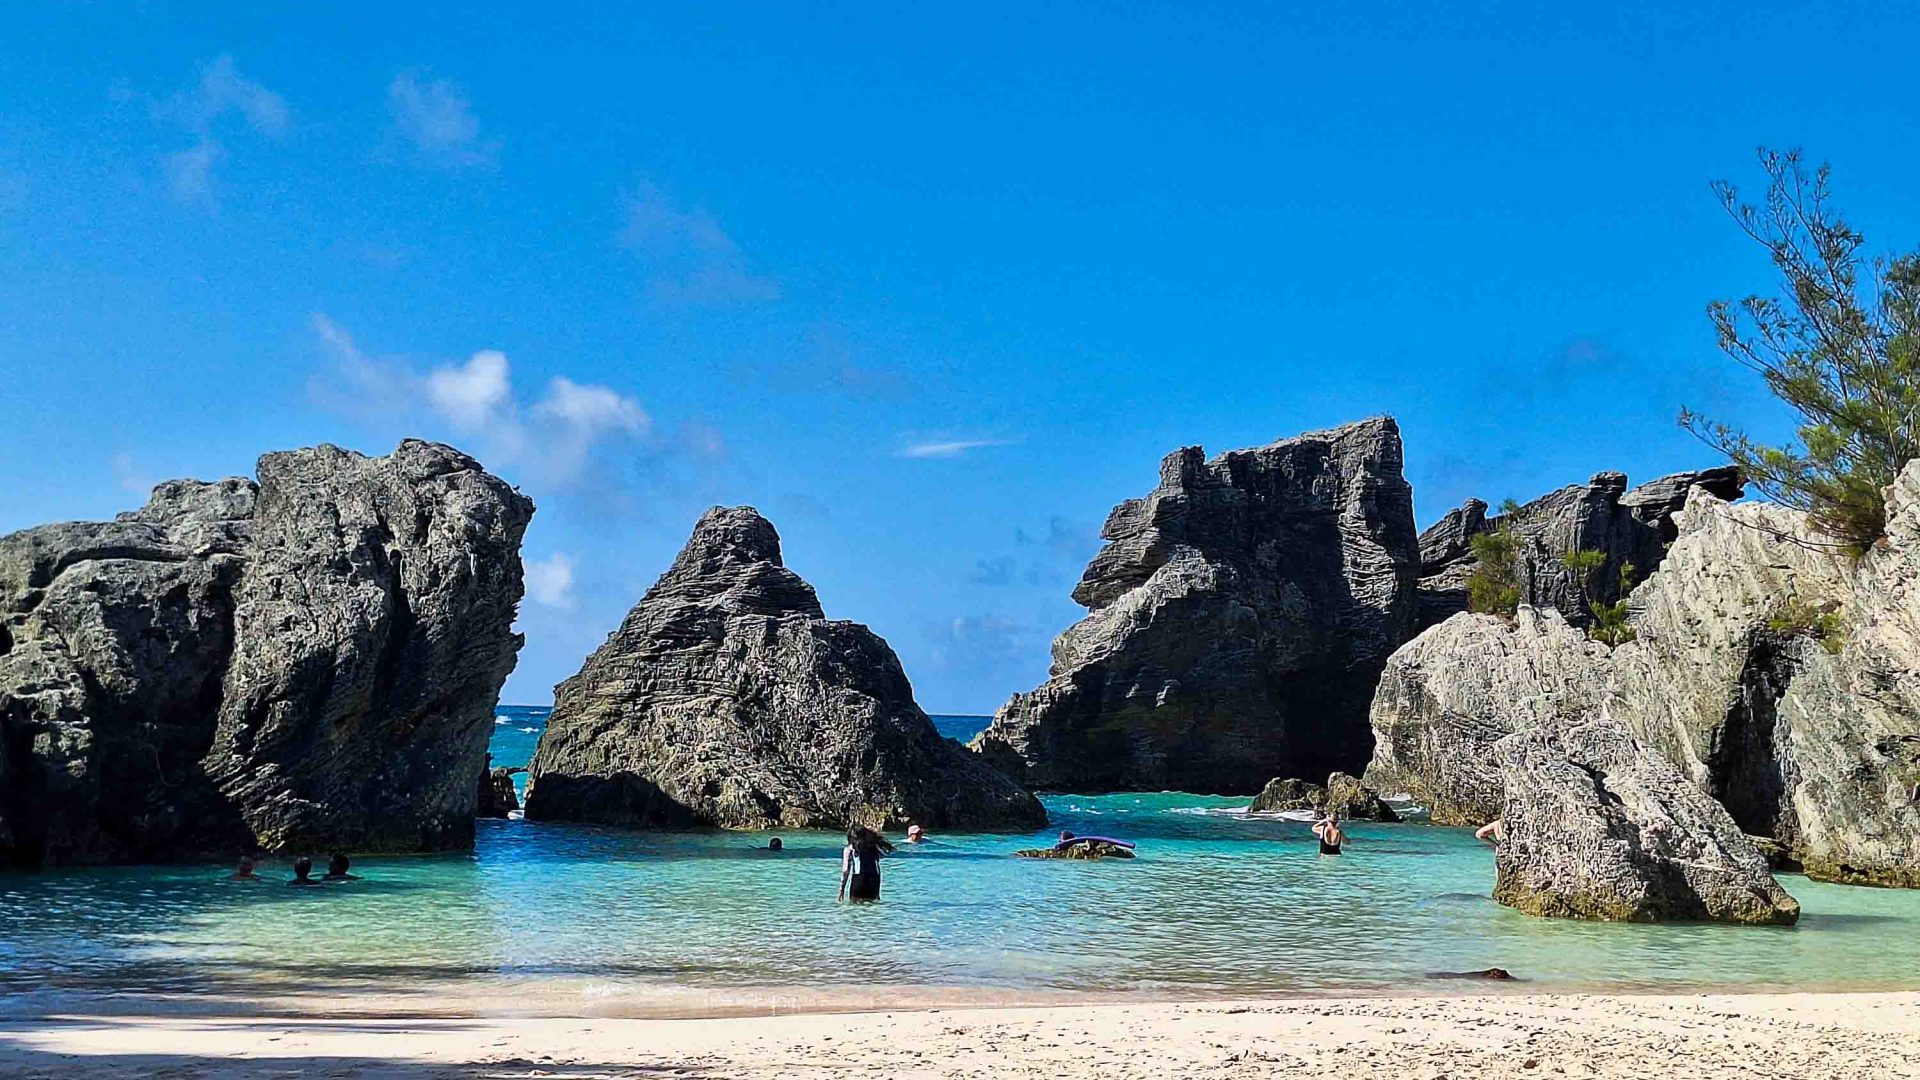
[
  {"x": 1599, "y": 826},
  {"x": 1602, "y": 515},
  {"x": 728, "y": 699},
  {"x": 1240, "y": 616},
  {"x": 1449, "y": 695},
  {"x": 1814, "y": 750},
  {"x": 497, "y": 797},
  {"x": 307, "y": 662}
]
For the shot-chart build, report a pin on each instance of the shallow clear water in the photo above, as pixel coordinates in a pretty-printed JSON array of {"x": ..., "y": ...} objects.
[{"x": 1216, "y": 902}]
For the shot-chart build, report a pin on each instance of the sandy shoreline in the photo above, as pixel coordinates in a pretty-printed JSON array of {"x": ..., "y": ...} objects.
[{"x": 1675, "y": 1037}]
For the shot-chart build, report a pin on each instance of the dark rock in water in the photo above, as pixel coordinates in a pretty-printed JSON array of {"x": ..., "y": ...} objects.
[
  {"x": 1090, "y": 849},
  {"x": 311, "y": 661},
  {"x": 1599, "y": 826},
  {"x": 497, "y": 798},
  {"x": 1495, "y": 974},
  {"x": 1602, "y": 515},
  {"x": 1240, "y": 616},
  {"x": 727, "y": 698},
  {"x": 1342, "y": 794}
]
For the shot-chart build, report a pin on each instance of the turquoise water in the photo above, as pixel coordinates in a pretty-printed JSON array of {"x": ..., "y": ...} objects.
[{"x": 1217, "y": 902}]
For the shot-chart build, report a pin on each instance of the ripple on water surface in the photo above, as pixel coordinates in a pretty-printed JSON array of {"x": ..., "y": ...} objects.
[{"x": 1217, "y": 902}]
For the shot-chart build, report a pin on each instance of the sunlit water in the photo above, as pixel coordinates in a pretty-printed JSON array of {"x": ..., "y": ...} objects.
[{"x": 1217, "y": 902}]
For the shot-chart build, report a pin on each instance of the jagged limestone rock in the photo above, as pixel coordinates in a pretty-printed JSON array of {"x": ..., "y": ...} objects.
[
  {"x": 1600, "y": 826},
  {"x": 1601, "y": 515},
  {"x": 727, "y": 698},
  {"x": 1810, "y": 744},
  {"x": 309, "y": 662},
  {"x": 1240, "y": 616},
  {"x": 1343, "y": 794},
  {"x": 1449, "y": 695},
  {"x": 496, "y": 796}
]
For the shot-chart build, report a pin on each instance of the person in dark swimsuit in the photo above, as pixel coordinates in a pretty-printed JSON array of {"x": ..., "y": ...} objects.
[
  {"x": 1330, "y": 836},
  {"x": 860, "y": 864},
  {"x": 303, "y": 873}
]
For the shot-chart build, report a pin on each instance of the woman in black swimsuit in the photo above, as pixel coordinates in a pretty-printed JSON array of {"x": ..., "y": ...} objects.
[
  {"x": 860, "y": 864},
  {"x": 1328, "y": 831}
]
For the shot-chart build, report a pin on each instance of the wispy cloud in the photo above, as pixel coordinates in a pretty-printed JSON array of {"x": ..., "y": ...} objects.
[
  {"x": 206, "y": 111},
  {"x": 435, "y": 118},
  {"x": 947, "y": 448},
  {"x": 550, "y": 581},
  {"x": 551, "y": 438},
  {"x": 688, "y": 257}
]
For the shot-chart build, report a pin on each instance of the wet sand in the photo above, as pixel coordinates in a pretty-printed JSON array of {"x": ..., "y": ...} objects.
[{"x": 1672, "y": 1037}]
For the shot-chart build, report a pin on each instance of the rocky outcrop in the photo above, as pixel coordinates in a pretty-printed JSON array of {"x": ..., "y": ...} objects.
[
  {"x": 497, "y": 797},
  {"x": 1808, "y": 736},
  {"x": 728, "y": 699},
  {"x": 1343, "y": 794},
  {"x": 1599, "y": 826},
  {"x": 1602, "y": 515},
  {"x": 308, "y": 662},
  {"x": 1450, "y": 694},
  {"x": 1241, "y": 613}
]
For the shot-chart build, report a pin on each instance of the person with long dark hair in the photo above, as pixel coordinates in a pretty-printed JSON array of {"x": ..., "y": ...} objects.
[{"x": 860, "y": 864}]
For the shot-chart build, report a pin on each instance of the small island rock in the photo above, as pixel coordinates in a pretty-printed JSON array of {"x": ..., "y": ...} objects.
[{"x": 728, "y": 699}]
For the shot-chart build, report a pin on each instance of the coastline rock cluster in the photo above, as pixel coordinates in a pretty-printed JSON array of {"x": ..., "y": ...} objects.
[
  {"x": 1624, "y": 526},
  {"x": 727, "y": 698},
  {"x": 1240, "y": 616},
  {"x": 1772, "y": 672},
  {"x": 1343, "y": 795},
  {"x": 307, "y": 661}
]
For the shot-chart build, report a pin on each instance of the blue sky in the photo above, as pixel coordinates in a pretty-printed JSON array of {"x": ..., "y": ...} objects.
[{"x": 933, "y": 289}]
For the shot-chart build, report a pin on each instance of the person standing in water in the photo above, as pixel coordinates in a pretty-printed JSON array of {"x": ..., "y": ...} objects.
[
  {"x": 245, "y": 870},
  {"x": 303, "y": 873},
  {"x": 1493, "y": 832},
  {"x": 860, "y": 864},
  {"x": 1329, "y": 834}
]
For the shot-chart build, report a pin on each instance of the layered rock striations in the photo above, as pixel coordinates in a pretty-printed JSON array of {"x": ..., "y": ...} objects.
[
  {"x": 1599, "y": 826},
  {"x": 728, "y": 699},
  {"x": 310, "y": 661},
  {"x": 1240, "y": 615},
  {"x": 1780, "y": 676},
  {"x": 1625, "y": 526}
]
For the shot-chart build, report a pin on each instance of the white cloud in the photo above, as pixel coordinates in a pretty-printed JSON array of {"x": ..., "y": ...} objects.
[
  {"x": 689, "y": 258},
  {"x": 130, "y": 478},
  {"x": 189, "y": 172},
  {"x": 949, "y": 448},
  {"x": 550, "y": 581},
  {"x": 552, "y": 439},
  {"x": 438, "y": 120},
  {"x": 221, "y": 91},
  {"x": 473, "y": 396}
]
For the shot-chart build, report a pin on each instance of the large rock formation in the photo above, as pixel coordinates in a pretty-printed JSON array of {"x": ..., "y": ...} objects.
[
  {"x": 308, "y": 662},
  {"x": 1602, "y": 515},
  {"x": 1449, "y": 695},
  {"x": 1241, "y": 613},
  {"x": 728, "y": 698},
  {"x": 1598, "y": 826},
  {"x": 1810, "y": 740}
]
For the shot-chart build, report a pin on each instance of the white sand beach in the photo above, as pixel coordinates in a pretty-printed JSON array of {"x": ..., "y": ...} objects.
[{"x": 1675, "y": 1037}]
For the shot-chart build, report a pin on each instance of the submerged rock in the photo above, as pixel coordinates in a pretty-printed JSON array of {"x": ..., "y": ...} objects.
[
  {"x": 308, "y": 662},
  {"x": 728, "y": 698},
  {"x": 1343, "y": 794},
  {"x": 1602, "y": 515},
  {"x": 1598, "y": 826},
  {"x": 1240, "y": 615},
  {"x": 1090, "y": 849}
]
